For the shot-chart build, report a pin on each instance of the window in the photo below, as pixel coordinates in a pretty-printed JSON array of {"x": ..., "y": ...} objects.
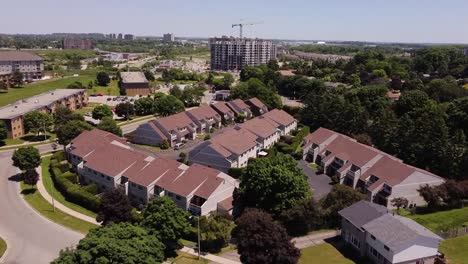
[
  {"x": 140, "y": 187},
  {"x": 177, "y": 197}
]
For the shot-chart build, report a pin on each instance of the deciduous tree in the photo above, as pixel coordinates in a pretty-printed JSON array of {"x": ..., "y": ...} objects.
[
  {"x": 110, "y": 125},
  {"x": 103, "y": 79},
  {"x": 70, "y": 130},
  {"x": 37, "y": 121},
  {"x": 101, "y": 111},
  {"x": 115, "y": 208},
  {"x": 26, "y": 158}
]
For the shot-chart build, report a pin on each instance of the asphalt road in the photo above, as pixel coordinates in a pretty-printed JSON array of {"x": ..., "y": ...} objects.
[{"x": 31, "y": 238}]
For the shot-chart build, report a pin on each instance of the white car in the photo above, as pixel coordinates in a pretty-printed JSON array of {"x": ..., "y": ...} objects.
[{"x": 179, "y": 145}]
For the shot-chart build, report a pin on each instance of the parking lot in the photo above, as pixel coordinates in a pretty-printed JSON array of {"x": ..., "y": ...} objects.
[
  {"x": 112, "y": 100},
  {"x": 320, "y": 183}
]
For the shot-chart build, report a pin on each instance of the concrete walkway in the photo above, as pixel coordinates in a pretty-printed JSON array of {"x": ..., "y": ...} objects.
[
  {"x": 211, "y": 257},
  {"x": 314, "y": 239},
  {"x": 42, "y": 190}
]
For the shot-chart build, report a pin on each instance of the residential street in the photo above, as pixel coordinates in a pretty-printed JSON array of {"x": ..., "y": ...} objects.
[{"x": 31, "y": 238}]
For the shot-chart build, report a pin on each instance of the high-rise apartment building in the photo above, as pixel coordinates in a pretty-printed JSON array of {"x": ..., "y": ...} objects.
[
  {"x": 231, "y": 54},
  {"x": 129, "y": 37},
  {"x": 120, "y": 36},
  {"x": 83, "y": 44},
  {"x": 169, "y": 37},
  {"x": 29, "y": 64}
]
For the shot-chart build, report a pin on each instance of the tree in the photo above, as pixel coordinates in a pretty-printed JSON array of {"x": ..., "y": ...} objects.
[
  {"x": 31, "y": 177},
  {"x": 75, "y": 85},
  {"x": 63, "y": 114},
  {"x": 16, "y": 79},
  {"x": 26, "y": 158},
  {"x": 261, "y": 241},
  {"x": 90, "y": 85},
  {"x": 410, "y": 100},
  {"x": 118, "y": 243},
  {"x": 339, "y": 198},
  {"x": 37, "y": 121},
  {"x": 165, "y": 144},
  {"x": 149, "y": 75},
  {"x": 3, "y": 85},
  {"x": 101, "y": 111},
  {"x": 273, "y": 185},
  {"x": 215, "y": 232},
  {"x": 3, "y": 130},
  {"x": 256, "y": 88},
  {"x": 399, "y": 202},
  {"x": 145, "y": 106},
  {"x": 161, "y": 216},
  {"x": 115, "y": 208},
  {"x": 168, "y": 105},
  {"x": 250, "y": 72},
  {"x": 103, "y": 79},
  {"x": 304, "y": 217},
  {"x": 70, "y": 130},
  {"x": 110, "y": 125},
  {"x": 430, "y": 195},
  {"x": 125, "y": 109}
]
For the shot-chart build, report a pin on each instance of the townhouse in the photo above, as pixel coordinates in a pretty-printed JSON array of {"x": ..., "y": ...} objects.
[
  {"x": 267, "y": 133},
  {"x": 225, "y": 112},
  {"x": 379, "y": 175},
  {"x": 231, "y": 149},
  {"x": 384, "y": 238},
  {"x": 282, "y": 120},
  {"x": 205, "y": 118},
  {"x": 109, "y": 162},
  {"x": 239, "y": 107},
  {"x": 257, "y": 107}
]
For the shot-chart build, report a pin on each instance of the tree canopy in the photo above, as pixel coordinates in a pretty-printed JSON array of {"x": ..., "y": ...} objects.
[
  {"x": 37, "y": 121},
  {"x": 26, "y": 158},
  {"x": 70, "y": 130},
  {"x": 110, "y": 125},
  {"x": 101, "y": 111},
  {"x": 103, "y": 78},
  {"x": 115, "y": 207}
]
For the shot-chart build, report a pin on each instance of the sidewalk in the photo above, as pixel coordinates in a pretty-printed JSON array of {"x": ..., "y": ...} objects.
[
  {"x": 211, "y": 257},
  {"x": 314, "y": 239},
  {"x": 42, "y": 190}
]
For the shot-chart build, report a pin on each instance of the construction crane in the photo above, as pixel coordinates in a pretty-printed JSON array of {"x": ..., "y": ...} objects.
[{"x": 241, "y": 27}]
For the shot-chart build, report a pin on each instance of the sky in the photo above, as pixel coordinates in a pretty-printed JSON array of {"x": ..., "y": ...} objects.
[{"x": 415, "y": 21}]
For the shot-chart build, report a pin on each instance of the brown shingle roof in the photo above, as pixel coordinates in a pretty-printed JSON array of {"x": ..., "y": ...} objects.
[
  {"x": 91, "y": 140},
  {"x": 235, "y": 141},
  {"x": 260, "y": 127},
  {"x": 204, "y": 113},
  {"x": 146, "y": 172},
  {"x": 19, "y": 56},
  {"x": 173, "y": 122},
  {"x": 279, "y": 116},
  {"x": 238, "y": 106},
  {"x": 257, "y": 103},
  {"x": 222, "y": 107}
]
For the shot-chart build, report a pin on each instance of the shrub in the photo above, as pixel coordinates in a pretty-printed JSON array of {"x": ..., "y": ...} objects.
[
  {"x": 183, "y": 155},
  {"x": 165, "y": 144},
  {"x": 72, "y": 177},
  {"x": 236, "y": 172},
  {"x": 63, "y": 167},
  {"x": 91, "y": 188},
  {"x": 207, "y": 137},
  {"x": 59, "y": 156}
]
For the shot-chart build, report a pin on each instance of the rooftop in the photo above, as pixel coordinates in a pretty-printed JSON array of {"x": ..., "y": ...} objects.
[
  {"x": 363, "y": 212},
  {"x": 19, "y": 56},
  {"x": 27, "y": 105},
  {"x": 133, "y": 77},
  {"x": 256, "y": 102},
  {"x": 260, "y": 127},
  {"x": 279, "y": 117}
]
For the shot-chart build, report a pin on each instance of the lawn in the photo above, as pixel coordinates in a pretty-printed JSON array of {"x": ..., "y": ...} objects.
[
  {"x": 150, "y": 148},
  {"x": 184, "y": 258},
  {"x": 443, "y": 220},
  {"x": 49, "y": 185},
  {"x": 111, "y": 89},
  {"x": 455, "y": 249},
  {"x": 31, "y": 89},
  {"x": 3, "y": 247},
  {"x": 323, "y": 253},
  {"x": 36, "y": 201}
]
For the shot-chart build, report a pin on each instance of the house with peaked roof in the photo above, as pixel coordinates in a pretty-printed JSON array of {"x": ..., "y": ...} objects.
[
  {"x": 205, "y": 118},
  {"x": 109, "y": 162},
  {"x": 283, "y": 121},
  {"x": 256, "y": 106},
  {"x": 239, "y": 107},
  {"x": 267, "y": 133},
  {"x": 224, "y": 111},
  {"x": 384, "y": 238},
  {"x": 375, "y": 173}
]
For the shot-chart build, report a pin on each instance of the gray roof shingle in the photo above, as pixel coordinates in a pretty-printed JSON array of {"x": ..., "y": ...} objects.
[{"x": 363, "y": 212}]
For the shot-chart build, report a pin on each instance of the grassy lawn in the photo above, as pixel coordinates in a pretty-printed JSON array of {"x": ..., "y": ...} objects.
[
  {"x": 151, "y": 148},
  {"x": 36, "y": 201},
  {"x": 184, "y": 258},
  {"x": 187, "y": 242},
  {"x": 313, "y": 165},
  {"x": 323, "y": 253},
  {"x": 3, "y": 247},
  {"x": 456, "y": 249},
  {"x": 111, "y": 89},
  {"x": 49, "y": 185},
  {"x": 28, "y": 138},
  {"x": 31, "y": 89},
  {"x": 442, "y": 220}
]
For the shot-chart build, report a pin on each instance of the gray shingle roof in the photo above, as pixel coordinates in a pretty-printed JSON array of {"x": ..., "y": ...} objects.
[{"x": 363, "y": 212}]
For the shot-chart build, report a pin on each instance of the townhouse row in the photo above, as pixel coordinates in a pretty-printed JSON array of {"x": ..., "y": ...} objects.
[
  {"x": 106, "y": 160},
  {"x": 379, "y": 175},
  {"x": 187, "y": 125}
]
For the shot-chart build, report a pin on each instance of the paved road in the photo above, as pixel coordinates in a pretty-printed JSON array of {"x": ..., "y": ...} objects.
[
  {"x": 31, "y": 238},
  {"x": 133, "y": 126},
  {"x": 321, "y": 184}
]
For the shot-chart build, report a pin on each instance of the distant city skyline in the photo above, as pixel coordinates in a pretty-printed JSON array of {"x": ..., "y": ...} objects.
[{"x": 409, "y": 21}]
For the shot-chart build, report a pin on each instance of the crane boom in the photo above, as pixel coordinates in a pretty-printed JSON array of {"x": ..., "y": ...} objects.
[{"x": 241, "y": 27}]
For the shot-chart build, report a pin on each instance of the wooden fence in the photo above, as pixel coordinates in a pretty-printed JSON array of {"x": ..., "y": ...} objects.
[{"x": 455, "y": 232}]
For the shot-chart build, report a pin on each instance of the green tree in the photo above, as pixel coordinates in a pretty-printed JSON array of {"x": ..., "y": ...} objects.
[
  {"x": 110, "y": 125},
  {"x": 90, "y": 85},
  {"x": 115, "y": 207},
  {"x": 26, "y": 158},
  {"x": 16, "y": 79},
  {"x": 119, "y": 243},
  {"x": 75, "y": 85},
  {"x": 70, "y": 130},
  {"x": 63, "y": 114},
  {"x": 273, "y": 185},
  {"x": 305, "y": 216},
  {"x": 125, "y": 109},
  {"x": 149, "y": 76},
  {"x": 37, "y": 121},
  {"x": 250, "y": 72},
  {"x": 168, "y": 105},
  {"x": 3, "y": 130},
  {"x": 3, "y": 86},
  {"x": 101, "y": 111},
  {"x": 256, "y": 88},
  {"x": 145, "y": 106},
  {"x": 103, "y": 78},
  {"x": 261, "y": 240},
  {"x": 399, "y": 202},
  {"x": 161, "y": 216},
  {"x": 339, "y": 198},
  {"x": 31, "y": 177},
  {"x": 215, "y": 232}
]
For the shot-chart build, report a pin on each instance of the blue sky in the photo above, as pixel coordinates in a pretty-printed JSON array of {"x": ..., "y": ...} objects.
[{"x": 436, "y": 21}]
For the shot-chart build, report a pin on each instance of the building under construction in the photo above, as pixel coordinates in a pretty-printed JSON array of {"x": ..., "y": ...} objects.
[{"x": 231, "y": 54}]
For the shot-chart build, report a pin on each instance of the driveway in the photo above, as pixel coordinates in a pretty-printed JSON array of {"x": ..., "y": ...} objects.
[
  {"x": 320, "y": 184},
  {"x": 31, "y": 238}
]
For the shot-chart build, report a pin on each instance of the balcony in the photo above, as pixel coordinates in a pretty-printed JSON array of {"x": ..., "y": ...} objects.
[{"x": 195, "y": 209}]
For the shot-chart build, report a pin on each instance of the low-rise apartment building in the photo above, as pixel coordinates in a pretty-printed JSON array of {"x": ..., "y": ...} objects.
[
  {"x": 110, "y": 163},
  {"x": 379, "y": 175},
  {"x": 267, "y": 134},
  {"x": 281, "y": 120},
  {"x": 257, "y": 107},
  {"x": 205, "y": 118},
  {"x": 384, "y": 238},
  {"x": 239, "y": 107},
  {"x": 28, "y": 64},
  {"x": 224, "y": 111},
  {"x": 13, "y": 114},
  {"x": 134, "y": 83}
]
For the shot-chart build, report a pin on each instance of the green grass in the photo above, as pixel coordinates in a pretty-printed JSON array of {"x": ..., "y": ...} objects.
[
  {"x": 455, "y": 249},
  {"x": 50, "y": 188},
  {"x": 313, "y": 165},
  {"x": 443, "y": 220},
  {"x": 49, "y": 55},
  {"x": 11, "y": 141},
  {"x": 184, "y": 258},
  {"x": 186, "y": 242},
  {"x": 111, "y": 89},
  {"x": 36, "y": 201},
  {"x": 323, "y": 253},
  {"x": 3, "y": 247},
  {"x": 151, "y": 148}
]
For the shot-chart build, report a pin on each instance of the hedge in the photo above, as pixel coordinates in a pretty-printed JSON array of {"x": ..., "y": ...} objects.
[{"x": 59, "y": 156}]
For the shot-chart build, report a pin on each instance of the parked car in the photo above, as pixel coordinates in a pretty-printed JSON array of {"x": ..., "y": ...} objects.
[
  {"x": 179, "y": 145},
  {"x": 100, "y": 94},
  {"x": 109, "y": 99}
]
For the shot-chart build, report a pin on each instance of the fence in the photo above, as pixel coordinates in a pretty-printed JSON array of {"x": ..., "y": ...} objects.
[{"x": 455, "y": 232}]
